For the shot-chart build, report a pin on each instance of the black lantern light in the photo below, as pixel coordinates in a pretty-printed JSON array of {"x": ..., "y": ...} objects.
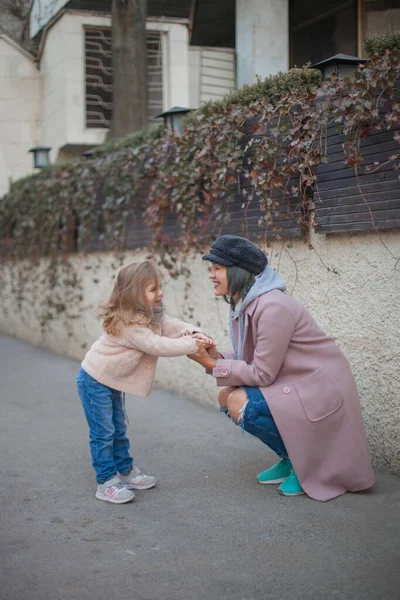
[
  {"x": 89, "y": 153},
  {"x": 40, "y": 156},
  {"x": 173, "y": 118},
  {"x": 340, "y": 64}
]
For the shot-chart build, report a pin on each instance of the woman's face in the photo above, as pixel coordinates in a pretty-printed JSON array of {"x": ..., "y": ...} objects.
[{"x": 219, "y": 276}]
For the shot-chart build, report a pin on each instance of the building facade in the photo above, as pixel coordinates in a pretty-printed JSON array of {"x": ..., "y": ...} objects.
[
  {"x": 275, "y": 35},
  {"x": 62, "y": 97},
  {"x": 198, "y": 51}
]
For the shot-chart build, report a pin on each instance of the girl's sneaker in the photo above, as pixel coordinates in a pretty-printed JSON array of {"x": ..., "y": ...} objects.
[
  {"x": 137, "y": 480},
  {"x": 114, "y": 491},
  {"x": 275, "y": 474},
  {"x": 291, "y": 486}
]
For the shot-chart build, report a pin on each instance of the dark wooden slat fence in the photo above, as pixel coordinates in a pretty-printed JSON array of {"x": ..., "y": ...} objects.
[
  {"x": 366, "y": 200},
  {"x": 344, "y": 201}
]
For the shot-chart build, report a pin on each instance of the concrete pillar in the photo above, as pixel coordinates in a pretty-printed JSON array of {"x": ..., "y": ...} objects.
[{"x": 262, "y": 38}]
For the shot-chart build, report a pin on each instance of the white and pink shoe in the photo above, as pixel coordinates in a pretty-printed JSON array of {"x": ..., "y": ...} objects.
[
  {"x": 137, "y": 480},
  {"x": 114, "y": 491}
]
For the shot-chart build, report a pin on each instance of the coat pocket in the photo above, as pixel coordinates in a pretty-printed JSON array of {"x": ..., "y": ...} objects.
[{"x": 318, "y": 395}]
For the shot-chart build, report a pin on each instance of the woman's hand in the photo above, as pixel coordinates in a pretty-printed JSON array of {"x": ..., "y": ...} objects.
[
  {"x": 213, "y": 352},
  {"x": 203, "y": 357},
  {"x": 208, "y": 343}
]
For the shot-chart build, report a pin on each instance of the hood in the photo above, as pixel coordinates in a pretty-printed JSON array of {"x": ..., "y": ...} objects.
[{"x": 267, "y": 281}]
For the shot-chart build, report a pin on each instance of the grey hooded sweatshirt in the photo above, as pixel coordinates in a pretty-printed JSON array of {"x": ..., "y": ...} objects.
[{"x": 267, "y": 281}]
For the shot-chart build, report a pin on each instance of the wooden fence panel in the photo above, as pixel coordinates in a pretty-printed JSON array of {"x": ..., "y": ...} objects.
[
  {"x": 286, "y": 216},
  {"x": 366, "y": 200}
]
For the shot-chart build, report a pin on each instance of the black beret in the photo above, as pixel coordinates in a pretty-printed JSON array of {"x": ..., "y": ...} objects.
[{"x": 234, "y": 251}]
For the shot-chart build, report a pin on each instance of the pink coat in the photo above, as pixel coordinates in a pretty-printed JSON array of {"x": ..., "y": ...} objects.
[{"x": 311, "y": 392}]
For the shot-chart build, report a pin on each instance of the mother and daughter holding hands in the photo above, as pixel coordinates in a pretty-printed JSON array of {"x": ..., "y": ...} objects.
[{"x": 286, "y": 382}]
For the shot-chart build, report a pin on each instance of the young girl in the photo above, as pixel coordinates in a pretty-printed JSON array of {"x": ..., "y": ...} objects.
[{"x": 123, "y": 360}]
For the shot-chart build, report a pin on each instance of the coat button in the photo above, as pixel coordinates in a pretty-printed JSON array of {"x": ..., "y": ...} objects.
[
  {"x": 286, "y": 390},
  {"x": 224, "y": 372}
]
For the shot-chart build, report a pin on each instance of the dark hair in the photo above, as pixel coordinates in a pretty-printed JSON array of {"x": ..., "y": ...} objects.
[{"x": 239, "y": 281}]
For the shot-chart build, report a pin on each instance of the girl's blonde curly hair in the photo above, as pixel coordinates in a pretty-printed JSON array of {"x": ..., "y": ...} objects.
[{"x": 128, "y": 302}]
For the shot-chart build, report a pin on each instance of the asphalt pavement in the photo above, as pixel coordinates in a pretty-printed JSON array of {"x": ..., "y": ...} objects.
[{"x": 208, "y": 531}]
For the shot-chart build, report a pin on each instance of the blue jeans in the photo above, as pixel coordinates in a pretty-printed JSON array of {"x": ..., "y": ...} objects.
[
  {"x": 258, "y": 420},
  {"x": 104, "y": 411}
]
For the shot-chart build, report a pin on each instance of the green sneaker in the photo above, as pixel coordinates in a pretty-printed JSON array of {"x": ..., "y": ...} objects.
[
  {"x": 291, "y": 486},
  {"x": 275, "y": 474}
]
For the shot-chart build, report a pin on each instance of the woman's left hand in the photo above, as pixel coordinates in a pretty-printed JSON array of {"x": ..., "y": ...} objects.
[{"x": 203, "y": 358}]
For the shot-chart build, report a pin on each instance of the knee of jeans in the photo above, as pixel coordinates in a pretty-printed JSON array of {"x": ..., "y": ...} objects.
[
  {"x": 254, "y": 408},
  {"x": 236, "y": 403},
  {"x": 223, "y": 396},
  {"x": 238, "y": 418}
]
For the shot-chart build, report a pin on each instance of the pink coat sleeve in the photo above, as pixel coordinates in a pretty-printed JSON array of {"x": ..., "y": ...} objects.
[
  {"x": 143, "y": 339},
  {"x": 226, "y": 355},
  {"x": 174, "y": 328},
  {"x": 275, "y": 327}
]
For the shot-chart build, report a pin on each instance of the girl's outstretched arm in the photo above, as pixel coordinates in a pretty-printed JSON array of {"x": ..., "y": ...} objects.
[
  {"x": 143, "y": 339},
  {"x": 174, "y": 328}
]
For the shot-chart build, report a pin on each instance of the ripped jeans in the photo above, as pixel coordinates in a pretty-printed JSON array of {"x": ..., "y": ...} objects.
[{"x": 256, "y": 418}]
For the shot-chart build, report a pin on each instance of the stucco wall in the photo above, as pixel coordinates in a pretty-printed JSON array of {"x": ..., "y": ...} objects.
[
  {"x": 19, "y": 111},
  {"x": 359, "y": 305}
]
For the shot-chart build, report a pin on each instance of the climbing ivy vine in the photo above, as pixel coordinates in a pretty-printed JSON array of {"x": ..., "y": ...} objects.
[{"x": 86, "y": 205}]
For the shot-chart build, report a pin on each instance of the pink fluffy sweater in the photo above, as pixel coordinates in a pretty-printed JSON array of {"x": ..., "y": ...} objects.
[{"x": 127, "y": 362}]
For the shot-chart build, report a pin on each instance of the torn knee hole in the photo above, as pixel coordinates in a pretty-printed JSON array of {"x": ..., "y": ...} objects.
[{"x": 240, "y": 416}]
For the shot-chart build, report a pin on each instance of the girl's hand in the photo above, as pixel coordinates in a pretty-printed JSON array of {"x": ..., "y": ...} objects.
[
  {"x": 202, "y": 337},
  {"x": 209, "y": 344},
  {"x": 201, "y": 346}
]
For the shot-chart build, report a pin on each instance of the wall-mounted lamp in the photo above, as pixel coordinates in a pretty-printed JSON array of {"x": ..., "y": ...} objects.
[
  {"x": 173, "y": 118},
  {"x": 89, "y": 153},
  {"x": 40, "y": 156},
  {"x": 340, "y": 64}
]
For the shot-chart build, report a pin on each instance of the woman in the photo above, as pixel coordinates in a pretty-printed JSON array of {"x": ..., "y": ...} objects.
[{"x": 287, "y": 383}]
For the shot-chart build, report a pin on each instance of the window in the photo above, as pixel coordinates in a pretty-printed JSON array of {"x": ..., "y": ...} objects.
[
  {"x": 154, "y": 74},
  {"x": 382, "y": 16},
  {"x": 319, "y": 30},
  {"x": 98, "y": 76}
]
